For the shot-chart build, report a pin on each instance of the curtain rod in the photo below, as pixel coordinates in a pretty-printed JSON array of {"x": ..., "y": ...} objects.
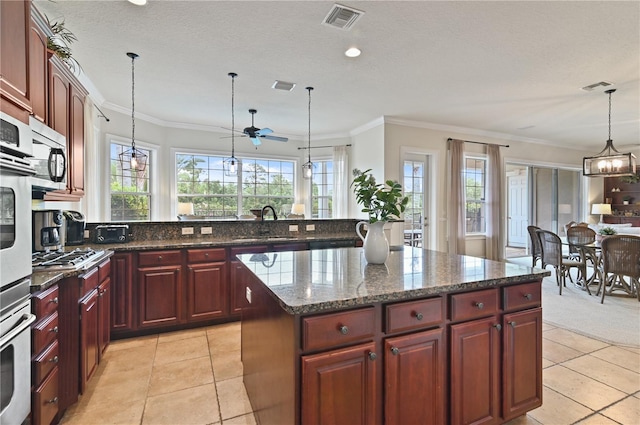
[
  {"x": 101, "y": 114},
  {"x": 480, "y": 143},
  {"x": 318, "y": 147}
]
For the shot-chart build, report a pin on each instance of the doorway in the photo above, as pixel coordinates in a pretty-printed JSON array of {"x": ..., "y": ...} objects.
[{"x": 415, "y": 184}]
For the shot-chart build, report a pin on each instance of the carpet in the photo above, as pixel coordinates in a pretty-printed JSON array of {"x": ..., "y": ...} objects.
[{"x": 617, "y": 321}]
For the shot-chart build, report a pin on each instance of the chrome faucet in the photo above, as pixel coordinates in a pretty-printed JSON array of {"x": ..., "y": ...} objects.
[{"x": 275, "y": 217}]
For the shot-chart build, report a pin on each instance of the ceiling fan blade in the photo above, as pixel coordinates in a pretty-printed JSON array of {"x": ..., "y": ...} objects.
[
  {"x": 264, "y": 131},
  {"x": 276, "y": 138},
  {"x": 256, "y": 141}
]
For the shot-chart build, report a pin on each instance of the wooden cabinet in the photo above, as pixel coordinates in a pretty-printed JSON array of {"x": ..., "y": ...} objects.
[
  {"x": 14, "y": 58},
  {"x": 207, "y": 293},
  {"x": 160, "y": 288},
  {"x": 45, "y": 356},
  {"x": 59, "y": 96},
  {"x": 75, "y": 140},
  {"x": 104, "y": 311},
  {"x": 238, "y": 277},
  {"x": 122, "y": 294},
  {"x": 340, "y": 386},
  {"x": 89, "y": 357},
  {"x": 38, "y": 67},
  {"x": 622, "y": 213}
]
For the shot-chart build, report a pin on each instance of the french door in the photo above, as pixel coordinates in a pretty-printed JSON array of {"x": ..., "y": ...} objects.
[{"x": 415, "y": 185}]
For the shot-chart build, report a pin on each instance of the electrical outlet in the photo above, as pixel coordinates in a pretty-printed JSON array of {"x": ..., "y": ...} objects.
[
  {"x": 293, "y": 227},
  {"x": 86, "y": 234},
  {"x": 187, "y": 230},
  {"x": 248, "y": 294},
  {"x": 311, "y": 228},
  {"x": 206, "y": 231}
]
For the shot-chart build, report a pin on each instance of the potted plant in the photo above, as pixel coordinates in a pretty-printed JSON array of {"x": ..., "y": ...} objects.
[
  {"x": 626, "y": 200},
  {"x": 603, "y": 232},
  {"x": 60, "y": 43},
  {"x": 381, "y": 202}
]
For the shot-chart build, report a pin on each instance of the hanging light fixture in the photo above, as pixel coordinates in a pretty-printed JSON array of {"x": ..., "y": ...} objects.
[
  {"x": 133, "y": 159},
  {"x": 230, "y": 164},
  {"x": 609, "y": 162},
  {"x": 307, "y": 167}
]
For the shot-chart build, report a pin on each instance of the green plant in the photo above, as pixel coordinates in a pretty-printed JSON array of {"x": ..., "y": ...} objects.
[
  {"x": 627, "y": 198},
  {"x": 607, "y": 231},
  {"x": 380, "y": 201},
  {"x": 630, "y": 179},
  {"x": 60, "y": 42}
]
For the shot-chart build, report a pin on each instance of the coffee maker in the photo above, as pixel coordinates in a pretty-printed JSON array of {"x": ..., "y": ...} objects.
[
  {"x": 74, "y": 228},
  {"x": 47, "y": 229}
]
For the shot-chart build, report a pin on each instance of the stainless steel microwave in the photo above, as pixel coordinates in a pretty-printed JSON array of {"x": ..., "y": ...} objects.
[{"x": 49, "y": 157}]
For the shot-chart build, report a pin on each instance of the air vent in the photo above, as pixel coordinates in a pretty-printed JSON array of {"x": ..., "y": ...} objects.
[
  {"x": 593, "y": 86},
  {"x": 283, "y": 85},
  {"x": 342, "y": 17}
]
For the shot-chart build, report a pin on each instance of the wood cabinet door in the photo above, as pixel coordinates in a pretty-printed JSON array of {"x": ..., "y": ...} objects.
[
  {"x": 104, "y": 312},
  {"x": 414, "y": 378},
  {"x": 237, "y": 296},
  {"x": 89, "y": 356},
  {"x": 122, "y": 295},
  {"x": 339, "y": 387},
  {"x": 58, "y": 97},
  {"x": 75, "y": 141},
  {"x": 159, "y": 296},
  {"x": 14, "y": 59},
  {"x": 206, "y": 291},
  {"x": 475, "y": 372},
  {"x": 38, "y": 64},
  {"x": 522, "y": 362}
]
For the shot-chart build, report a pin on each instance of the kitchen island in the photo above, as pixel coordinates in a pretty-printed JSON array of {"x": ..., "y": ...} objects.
[{"x": 426, "y": 338}]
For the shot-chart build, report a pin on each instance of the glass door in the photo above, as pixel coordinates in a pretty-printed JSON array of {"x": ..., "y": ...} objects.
[{"x": 416, "y": 215}]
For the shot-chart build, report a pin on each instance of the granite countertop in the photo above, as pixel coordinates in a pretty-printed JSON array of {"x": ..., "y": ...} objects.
[
  {"x": 314, "y": 281},
  {"x": 45, "y": 278}
]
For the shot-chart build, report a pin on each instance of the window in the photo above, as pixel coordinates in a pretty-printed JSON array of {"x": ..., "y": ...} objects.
[
  {"x": 322, "y": 190},
  {"x": 475, "y": 178},
  {"x": 201, "y": 180},
  {"x": 130, "y": 191}
]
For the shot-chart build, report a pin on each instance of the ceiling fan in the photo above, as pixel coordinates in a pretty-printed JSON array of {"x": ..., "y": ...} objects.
[{"x": 255, "y": 134}]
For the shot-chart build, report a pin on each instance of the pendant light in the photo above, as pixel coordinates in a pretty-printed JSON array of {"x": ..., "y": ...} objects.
[
  {"x": 230, "y": 164},
  {"x": 307, "y": 167},
  {"x": 133, "y": 159},
  {"x": 609, "y": 162}
]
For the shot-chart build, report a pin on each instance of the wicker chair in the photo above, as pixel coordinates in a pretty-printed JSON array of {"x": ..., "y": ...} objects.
[
  {"x": 536, "y": 248},
  {"x": 552, "y": 255},
  {"x": 621, "y": 258},
  {"x": 576, "y": 236}
]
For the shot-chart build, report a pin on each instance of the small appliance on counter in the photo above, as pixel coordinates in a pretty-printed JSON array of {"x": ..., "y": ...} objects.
[
  {"x": 112, "y": 233},
  {"x": 47, "y": 229},
  {"x": 74, "y": 234}
]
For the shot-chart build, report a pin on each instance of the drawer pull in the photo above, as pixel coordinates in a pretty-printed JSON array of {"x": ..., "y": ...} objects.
[
  {"x": 54, "y": 359},
  {"x": 54, "y": 300},
  {"x": 206, "y": 255},
  {"x": 372, "y": 355},
  {"x": 480, "y": 306},
  {"x": 52, "y": 401},
  {"x": 498, "y": 326},
  {"x": 344, "y": 330},
  {"x": 513, "y": 324},
  {"x": 54, "y": 329},
  {"x": 419, "y": 316},
  {"x": 528, "y": 296},
  {"x": 159, "y": 257},
  {"x": 394, "y": 351}
]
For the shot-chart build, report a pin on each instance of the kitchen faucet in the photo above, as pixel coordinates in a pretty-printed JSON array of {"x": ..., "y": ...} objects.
[{"x": 275, "y": 217}]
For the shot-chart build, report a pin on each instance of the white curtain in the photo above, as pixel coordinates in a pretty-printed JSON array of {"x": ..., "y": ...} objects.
[
  {"x": 340, "y": 182},
  {"x": 494, "y": 239},
  {"x": 457, "y": 208},
  {"x": 91, "y": 207}
]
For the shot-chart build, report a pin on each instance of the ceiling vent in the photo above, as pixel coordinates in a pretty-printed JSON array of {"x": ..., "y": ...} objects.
[
  {"x": 593, "y": 86},
  {"x": 283, "y": 85},
  {"x": 342, "y": 17}
]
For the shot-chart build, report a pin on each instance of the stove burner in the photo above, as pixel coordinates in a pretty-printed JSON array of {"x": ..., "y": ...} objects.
[{"x": 67, "y": 260}]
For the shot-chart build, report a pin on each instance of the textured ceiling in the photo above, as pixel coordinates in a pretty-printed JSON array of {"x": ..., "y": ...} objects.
[{"x": 510, "y": 67}]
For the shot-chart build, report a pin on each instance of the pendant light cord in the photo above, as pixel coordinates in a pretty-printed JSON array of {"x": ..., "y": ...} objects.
[
  {"x": 610, "y": 114},
  {"x": 309, "y": 134},
  {"x": 133, "y": 57},
  {"x": 233, "y": 76}
]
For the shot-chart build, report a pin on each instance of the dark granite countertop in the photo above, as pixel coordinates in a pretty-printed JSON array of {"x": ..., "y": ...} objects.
[{"x": 314, "y": 281}]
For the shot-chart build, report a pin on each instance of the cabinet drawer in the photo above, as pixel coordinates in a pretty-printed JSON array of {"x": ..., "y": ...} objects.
[
  {"x": 104, "y": 270},
  {"x": 45, "y": 332},
  {"x": 89, "y": 282},
  {"x": 45, "y": 400},
  {"x": 45, "y": 302},
  {"x": 522, "y": 296},
  {"x": 474, "y": 304},
  {"x": 45, "y": 362},
  {"x": 159, "y": 258},
  {"x": 414, "y": 315},
  {"x": 206, "y": 255},
  {"x": 337, "y": 329}
]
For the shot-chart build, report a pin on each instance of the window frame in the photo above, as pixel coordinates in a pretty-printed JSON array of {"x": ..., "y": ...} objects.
[
  {"x": 482, "y": 201},
  {"x": 313, "y": 198}
]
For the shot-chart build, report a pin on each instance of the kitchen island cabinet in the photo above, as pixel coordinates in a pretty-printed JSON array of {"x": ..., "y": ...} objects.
[{"x": 375, "y": 344}]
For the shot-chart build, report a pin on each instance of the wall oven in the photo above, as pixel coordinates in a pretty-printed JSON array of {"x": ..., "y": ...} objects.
[{"x": 49, "y": 157}]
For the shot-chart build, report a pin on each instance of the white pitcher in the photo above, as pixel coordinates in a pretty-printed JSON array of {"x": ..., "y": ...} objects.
[{"x": 376, "y": 245}]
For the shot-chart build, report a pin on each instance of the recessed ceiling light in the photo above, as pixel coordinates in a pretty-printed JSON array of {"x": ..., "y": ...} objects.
[
  {"x": 138, "y": 2},
  {"x": 352, "y": 52},
  {"x": 283, "y": 85}
]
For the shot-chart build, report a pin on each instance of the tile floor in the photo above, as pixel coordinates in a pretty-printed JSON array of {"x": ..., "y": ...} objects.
[{"x": 195, "y": 377}]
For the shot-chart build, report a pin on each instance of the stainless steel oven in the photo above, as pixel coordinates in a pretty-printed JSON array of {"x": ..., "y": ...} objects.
[{"x": 49, "y": 157}]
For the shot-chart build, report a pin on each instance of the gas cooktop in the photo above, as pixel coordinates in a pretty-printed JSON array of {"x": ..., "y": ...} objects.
[{"x": 60, "y": 260}]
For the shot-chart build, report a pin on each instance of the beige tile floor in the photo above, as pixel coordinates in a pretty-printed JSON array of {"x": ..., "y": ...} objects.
[{"x": 195, "y": 377}]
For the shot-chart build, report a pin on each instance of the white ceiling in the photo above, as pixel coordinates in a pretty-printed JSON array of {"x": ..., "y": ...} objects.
[{"x": 508, "y": 67}]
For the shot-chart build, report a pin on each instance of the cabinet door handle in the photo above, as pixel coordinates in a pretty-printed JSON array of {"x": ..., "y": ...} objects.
[
  {"x": 513, "y": 324},
  {"x": 498, "y": 326},
  {"x": 54, "y": 359},
  {"x": 480, "y": 306},
  {"x": 159, "y": 257},
  {"x": 206, "y": 255},
  {"x": 372, "y": 355},
  {"x": 419, "y": 316},
  {"x": 528, "y": 296},
  {"x": 344, "y": 330},
  {"x": 54, "y": 329},
  {"x": 54, "y": 300},
  {"x": 52, "y": 401},
  {"x": 395, "y": 351}
]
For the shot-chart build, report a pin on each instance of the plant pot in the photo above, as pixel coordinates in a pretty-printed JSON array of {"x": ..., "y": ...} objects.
[
  {"x": 625, "y": 202},
  {"x": 375, "y": 243}
]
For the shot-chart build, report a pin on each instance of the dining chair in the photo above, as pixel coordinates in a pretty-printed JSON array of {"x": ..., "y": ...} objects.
[
  {"x": 621, "y": 258},
  {"x": 536, "y": 248},
  {"x": 552, "y": 255},
  {"x": 577, "y": 236}
]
